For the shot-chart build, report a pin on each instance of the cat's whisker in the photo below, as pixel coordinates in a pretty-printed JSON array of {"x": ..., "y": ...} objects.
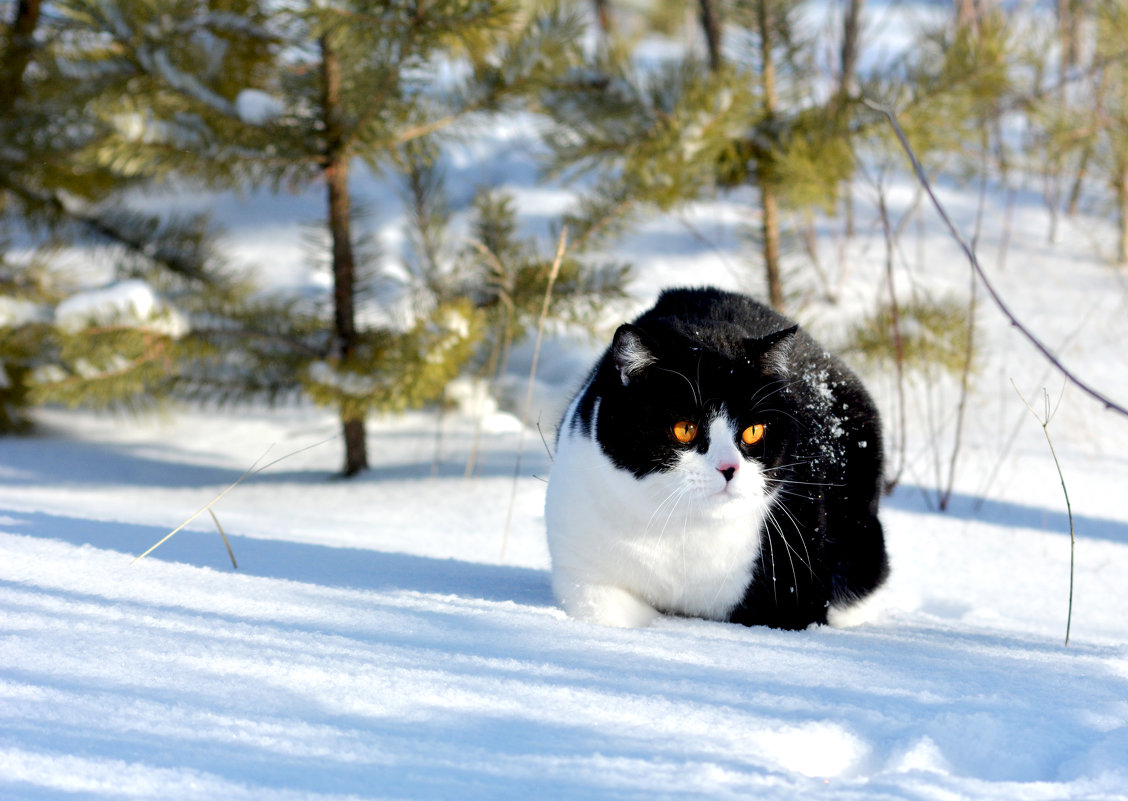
[
  {"x": 810, "y": 483},
  {"x": 768, "y": 517},
  {"x": 784, "y": 413},
  {"x": 775, "y": 388},
  {"x": 676, "y": 491},
  {"x": 788, "y": 550},
  {"x": 802, "y": 463},
  {"x": 802, "y": 539},
  {"x": 682, "y": 492},
  {"x": 791, "y": 493},
  {"x": 692, "y": 388},
  {"x": 700, "y": 394},
  {"x": 678, "y": 494}
]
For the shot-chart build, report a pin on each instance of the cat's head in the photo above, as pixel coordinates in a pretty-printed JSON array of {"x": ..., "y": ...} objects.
[{"x": 701, "y": 411}]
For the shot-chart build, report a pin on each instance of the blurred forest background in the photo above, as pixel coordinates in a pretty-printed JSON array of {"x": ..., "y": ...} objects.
[{"x": 108, "y": 104}]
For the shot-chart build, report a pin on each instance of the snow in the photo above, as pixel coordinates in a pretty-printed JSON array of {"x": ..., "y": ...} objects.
[
  {"x": 372, "y": 644},
  {"x": 130, "y": 302},
  {"x": 256, "y": 107}
]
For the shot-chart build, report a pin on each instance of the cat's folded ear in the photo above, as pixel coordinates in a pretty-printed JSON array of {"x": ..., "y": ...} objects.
[
  {"x": 772, "y": 352},
  {"x": 633, "y": 351}
]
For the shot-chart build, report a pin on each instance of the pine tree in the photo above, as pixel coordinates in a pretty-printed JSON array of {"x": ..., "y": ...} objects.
[
  {"x": 684, "y": 130},
  {"x": 1107, "y": 139},
  {"x": 502, "y": 273},
  {"x": 54, "y": 192},
  {"x": 247, "y": 93}
]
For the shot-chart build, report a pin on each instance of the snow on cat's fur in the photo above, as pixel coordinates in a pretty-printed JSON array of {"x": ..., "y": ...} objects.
[{"x": 717, "y": 463}]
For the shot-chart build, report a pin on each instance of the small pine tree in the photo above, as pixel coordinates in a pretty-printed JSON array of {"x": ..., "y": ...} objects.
[
  {"x": 1109, "y": 139},
  {"x": 238, "y": 92},
  {"x": 684, "y": 130},
  {"x": 501, "y": 273},
  {"x": 54, "y": 192},
  {"x": 950, "y": 90},
  {"x": 507, "y": 277}
]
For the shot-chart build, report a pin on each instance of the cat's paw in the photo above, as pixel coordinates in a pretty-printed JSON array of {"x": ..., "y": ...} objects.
[
  {"x": 867, "y": 610},
  {"x": 607, "y": 606}
]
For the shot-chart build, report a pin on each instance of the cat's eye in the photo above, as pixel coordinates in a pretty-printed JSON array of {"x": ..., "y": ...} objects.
[
  {"x": 684, "y": 432},
  {"x": 752, "y": 434}
]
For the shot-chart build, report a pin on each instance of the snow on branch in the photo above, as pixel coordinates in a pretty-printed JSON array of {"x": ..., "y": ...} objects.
[
  {"x": 159, "y": 63},
  {"x": 922, "y": 177}
]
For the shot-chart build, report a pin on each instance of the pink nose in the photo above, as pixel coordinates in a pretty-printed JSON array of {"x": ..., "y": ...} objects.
[{"x": 728, "y": 471}]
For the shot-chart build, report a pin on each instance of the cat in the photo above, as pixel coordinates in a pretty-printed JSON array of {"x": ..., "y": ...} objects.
[{"x": 717, "y": 463}]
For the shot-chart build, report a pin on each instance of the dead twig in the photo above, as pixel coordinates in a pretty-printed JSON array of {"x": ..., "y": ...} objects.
[{"x": 918, "y": 169}]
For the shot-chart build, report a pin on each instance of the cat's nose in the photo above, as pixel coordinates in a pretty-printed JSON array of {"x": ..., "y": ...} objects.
[{"x": 728, "y": 471}]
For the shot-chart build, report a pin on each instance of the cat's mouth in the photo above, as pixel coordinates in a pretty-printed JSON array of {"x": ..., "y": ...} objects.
[{"x": 725, "y": 494}]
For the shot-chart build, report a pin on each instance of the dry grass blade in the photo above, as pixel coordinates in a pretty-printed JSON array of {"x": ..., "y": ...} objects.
[
  {"x": 561, "y": 247},
  {"x": 1045, "y": 423},
  {"x": 254, "y": 469},
  {"x": 223, "y": 534}
]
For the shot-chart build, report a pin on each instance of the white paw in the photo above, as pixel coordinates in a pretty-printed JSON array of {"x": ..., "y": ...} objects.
[
  {"x": 606, "y": 605},
  {"x": 867, "y": 610}
]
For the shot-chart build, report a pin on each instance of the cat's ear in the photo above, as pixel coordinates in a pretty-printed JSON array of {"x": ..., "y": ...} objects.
[
  {"x": 773, "y": 351},
  {"x": 632, "y": 351}
]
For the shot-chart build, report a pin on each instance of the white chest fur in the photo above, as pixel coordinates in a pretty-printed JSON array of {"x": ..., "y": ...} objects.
[{"x": 682, "y": 541}]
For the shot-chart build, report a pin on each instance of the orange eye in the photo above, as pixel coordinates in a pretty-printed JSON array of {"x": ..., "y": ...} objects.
[
  {"x": 752, "y": 434},
  {"x": 684, "y": 431}
]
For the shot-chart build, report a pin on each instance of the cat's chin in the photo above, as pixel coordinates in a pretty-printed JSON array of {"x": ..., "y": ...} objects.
[{"x": 726, "y": 504}]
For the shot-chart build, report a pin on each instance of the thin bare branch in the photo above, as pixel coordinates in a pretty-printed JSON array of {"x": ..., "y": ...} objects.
[{"x": 922, "y": 177}]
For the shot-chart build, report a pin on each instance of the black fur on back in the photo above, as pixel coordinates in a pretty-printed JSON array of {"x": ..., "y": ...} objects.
[{"x": 700, "y": 350}]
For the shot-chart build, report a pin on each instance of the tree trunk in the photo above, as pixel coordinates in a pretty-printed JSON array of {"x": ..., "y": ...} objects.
[
  {"x": 770, "y": 233},
  {"x": 1069, "y": 30},
  {"x": 848, "y": 70},
  {"x": 711, "y": 25},
  {"x": 848, "y": 53},
  {"x": 967, "y": 13},
  {"x": 768, "y": 198},
  {"x": 17, "y": 56},
  {"x": 344, "y": 261},
  {"x": 603, "y": 16},
  {"x": 767, "y": 58},
  {"x": 1122, "y": 214}
]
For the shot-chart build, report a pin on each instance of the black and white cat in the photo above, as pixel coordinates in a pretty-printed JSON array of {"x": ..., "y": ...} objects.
[{"x": 717, "y": 463}]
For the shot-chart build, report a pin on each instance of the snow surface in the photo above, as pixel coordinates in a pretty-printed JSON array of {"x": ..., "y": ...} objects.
[
  {"x": 370, "y": 645},
  {"x": 129, "y": 302},
  {"x": 257, "y": 107},
  {"x": 373, "y": 645}
]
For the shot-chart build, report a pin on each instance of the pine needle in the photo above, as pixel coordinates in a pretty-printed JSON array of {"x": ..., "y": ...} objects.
[
  {"x": 254, "y": 469},
  {"x": 561, "y": 247}
]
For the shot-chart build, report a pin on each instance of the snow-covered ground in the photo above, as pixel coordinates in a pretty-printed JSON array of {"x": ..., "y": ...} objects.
[{"x": 374, "y": 643}]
